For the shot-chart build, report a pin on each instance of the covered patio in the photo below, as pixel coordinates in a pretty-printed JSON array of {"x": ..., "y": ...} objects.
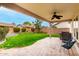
[{"x": 48, "y": 46}]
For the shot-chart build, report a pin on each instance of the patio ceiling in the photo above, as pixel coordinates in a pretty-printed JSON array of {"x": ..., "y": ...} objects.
[{"x": 44, "y": 11}]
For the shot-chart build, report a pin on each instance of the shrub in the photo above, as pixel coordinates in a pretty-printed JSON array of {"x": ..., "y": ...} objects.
[
  {"x": 16, "y": 29},
  {"x": 55, "y": 35},
  {"x": 3, "y": 32},
  {"x": 32, "y": 29},
  {"x": 23, "y": 29}
]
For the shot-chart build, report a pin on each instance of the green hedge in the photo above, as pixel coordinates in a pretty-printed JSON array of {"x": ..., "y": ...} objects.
[
  {"x": 23, "y": 29},
  {"x": 16, "y": 29},
  {"x": 55, "y": 35}
]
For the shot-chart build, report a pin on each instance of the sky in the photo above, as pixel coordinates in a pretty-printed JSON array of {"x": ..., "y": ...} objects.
[{"x": 11, "y": 16}]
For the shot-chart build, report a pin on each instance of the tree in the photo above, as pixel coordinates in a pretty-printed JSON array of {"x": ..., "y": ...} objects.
[
  {"x": 27, "y": 23},
  {"x": 37, "y": 24},
  {"x": 3, "y": 32}
]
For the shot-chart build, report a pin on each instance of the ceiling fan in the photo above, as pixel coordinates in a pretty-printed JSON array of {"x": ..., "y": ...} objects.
[{"x": 56, "y": 16}]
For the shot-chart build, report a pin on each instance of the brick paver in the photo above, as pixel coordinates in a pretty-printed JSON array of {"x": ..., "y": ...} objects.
[{"x": 44, "y": 47}]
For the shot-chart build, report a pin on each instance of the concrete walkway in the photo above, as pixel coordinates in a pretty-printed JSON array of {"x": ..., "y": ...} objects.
[
  {"x": 11, "y": 34},
  {"x": 44, "y": 47}
]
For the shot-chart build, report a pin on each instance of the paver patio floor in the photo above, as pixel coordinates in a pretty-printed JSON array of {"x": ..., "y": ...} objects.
[{"x": 44, "y": 47}]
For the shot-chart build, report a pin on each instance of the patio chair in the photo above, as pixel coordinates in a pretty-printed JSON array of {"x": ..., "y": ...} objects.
[
  {"x": 69, "y": 44},
  {"x": 65, "y": 37}
]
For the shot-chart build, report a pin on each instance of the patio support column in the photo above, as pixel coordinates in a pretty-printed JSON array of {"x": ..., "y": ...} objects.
[
  {"x": 78, "y": 29},
  {"x": 75, "y": 33},
  {"x": 50, "y": 29},
  {"x": 72, "y": 28},
  {"x": 75, "y": 29}
]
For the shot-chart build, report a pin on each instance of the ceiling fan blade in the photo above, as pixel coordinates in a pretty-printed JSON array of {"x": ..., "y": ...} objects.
[{"x": 59, "y": 17}]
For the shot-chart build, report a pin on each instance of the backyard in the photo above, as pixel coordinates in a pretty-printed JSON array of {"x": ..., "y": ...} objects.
[
  {"x": 39, "y": 30},
  {"x": 24, "y": 39}
]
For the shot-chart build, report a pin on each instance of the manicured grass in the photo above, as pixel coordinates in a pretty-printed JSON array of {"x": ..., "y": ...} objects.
[
  {"x": 24, "y": 39},
  {"x": 55, "y": 35}
]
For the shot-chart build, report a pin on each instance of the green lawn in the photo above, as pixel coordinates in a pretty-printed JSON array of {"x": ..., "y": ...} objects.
[{"x": 24, "y": 39}]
